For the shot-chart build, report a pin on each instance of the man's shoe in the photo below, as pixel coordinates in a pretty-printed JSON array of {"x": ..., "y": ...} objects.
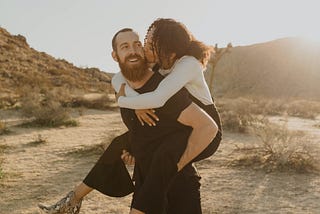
[{"x": 65, "y": 205}]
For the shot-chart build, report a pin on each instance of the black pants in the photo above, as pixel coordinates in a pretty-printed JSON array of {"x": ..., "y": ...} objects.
[
  {"x": 110, "y": 176},
  {"x": 184, "y": 194},
  {"x": 159, "y": 188}
]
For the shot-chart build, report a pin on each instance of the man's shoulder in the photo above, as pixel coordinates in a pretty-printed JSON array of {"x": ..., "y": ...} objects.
[
  {"x": 117, "y": 80},
  {"x": 117, "y": 76}
]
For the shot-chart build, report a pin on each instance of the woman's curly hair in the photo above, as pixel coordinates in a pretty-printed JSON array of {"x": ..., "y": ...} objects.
[{"x": 170, "y": 36}]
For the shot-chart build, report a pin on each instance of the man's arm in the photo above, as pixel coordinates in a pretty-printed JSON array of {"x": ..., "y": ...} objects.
[{"x": 204, "y": 130}]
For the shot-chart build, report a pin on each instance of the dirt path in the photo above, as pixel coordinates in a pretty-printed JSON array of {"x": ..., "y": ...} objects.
[{"x": 44, "y": 172}]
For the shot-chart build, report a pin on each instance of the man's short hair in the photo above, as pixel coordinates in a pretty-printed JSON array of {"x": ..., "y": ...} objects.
[{"x": 114, "y": 45}]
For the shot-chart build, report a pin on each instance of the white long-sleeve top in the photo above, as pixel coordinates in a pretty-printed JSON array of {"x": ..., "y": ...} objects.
[{"x": 186, "y": 72}]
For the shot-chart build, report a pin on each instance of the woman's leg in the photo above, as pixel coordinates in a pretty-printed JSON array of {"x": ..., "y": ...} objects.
[{"x": 213, "y": 146}]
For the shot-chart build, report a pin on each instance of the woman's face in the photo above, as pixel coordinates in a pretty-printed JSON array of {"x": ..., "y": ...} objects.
[
  {"x": 149, "y": 51},
  {"x": 151, "y": 55}
]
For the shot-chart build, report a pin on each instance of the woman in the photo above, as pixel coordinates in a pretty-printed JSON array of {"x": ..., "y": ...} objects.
[{"x": 182, "y": 59}]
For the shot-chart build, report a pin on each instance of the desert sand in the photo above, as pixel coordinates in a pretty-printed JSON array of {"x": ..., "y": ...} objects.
[{"x": 44, "y": 172}]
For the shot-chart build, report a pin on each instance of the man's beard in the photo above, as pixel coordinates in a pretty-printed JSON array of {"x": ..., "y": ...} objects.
[{"x": 136, "y": 71}]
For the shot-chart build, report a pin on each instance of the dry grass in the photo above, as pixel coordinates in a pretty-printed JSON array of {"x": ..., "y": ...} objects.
[
  {"x": 3, "y": 128},
  {"x": 39, "y": 139},
  {"x": 7, "y": 101},
  {"x": 2, "y": 148},
  {"x": 94, "y": 150},
  {"x": 238, "y": 114},
  {"x": 303, "y": 109},
  {"x": 95, "y": 101},
  {"x": 235, "y": 114},
  {"x": 278, "y": 149},
  {"x": 44, "y": 110},
  {"x": 1, "y": 172}
]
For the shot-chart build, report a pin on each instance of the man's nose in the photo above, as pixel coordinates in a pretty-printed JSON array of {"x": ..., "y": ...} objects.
[{"x": 130, "y": 49}]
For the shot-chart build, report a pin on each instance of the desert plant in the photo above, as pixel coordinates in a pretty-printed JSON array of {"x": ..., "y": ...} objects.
[
  {"x": 45, "y": 110},
  {"x": 236, "y": 115},
  {"x": 280, "y": 149},
  {"x": 38, "y": 140},
  {"x": 1, "y": 171},
  {"x": 3, "y": 128},
  {"x": 2, "y": 148},
  {"x": 94, "y": 101},
  {"x": 303, "y": 109}
]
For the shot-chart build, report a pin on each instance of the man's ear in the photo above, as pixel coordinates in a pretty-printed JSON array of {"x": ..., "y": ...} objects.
[{"x": 114, "y": 56}]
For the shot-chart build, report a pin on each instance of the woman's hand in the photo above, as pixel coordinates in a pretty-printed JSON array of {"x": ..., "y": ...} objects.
[
  {"x": 147, "y": 116},
  {"x": 121, "y": 91},
  {"x": 127, "y": 158}
]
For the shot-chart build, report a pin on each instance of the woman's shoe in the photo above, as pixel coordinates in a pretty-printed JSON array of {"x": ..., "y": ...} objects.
[{"x": 66, "y": 205}]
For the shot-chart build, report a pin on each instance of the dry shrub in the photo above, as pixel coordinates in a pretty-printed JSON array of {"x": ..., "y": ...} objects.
[
  {"x": 2, "y": 148},
  {"x": 1, "y": 172},
  {"x": 268, "y": 106},
  {"x": 303, "y": 109},
  {"x": 94, "y": 101},
  {"x": 279, "y": 149},
  {"x": 236, "y": 115},
  {"x": 3, "y": 128},
  {"x": 8, "y": 101},
  {"x": 44, "y": 110},
  {"x": 94, "y": 150},
  {"x": 37, "y": 140}
]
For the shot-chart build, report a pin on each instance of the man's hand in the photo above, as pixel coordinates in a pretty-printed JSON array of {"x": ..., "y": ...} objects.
[
  {"x": 127, "y": 158},
  {"x": 147, "y": 116},
  {"x": 121, "y": 91}
]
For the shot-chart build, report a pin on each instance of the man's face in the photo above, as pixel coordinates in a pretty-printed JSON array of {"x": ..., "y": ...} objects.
[{"x": 130, "y": 56}]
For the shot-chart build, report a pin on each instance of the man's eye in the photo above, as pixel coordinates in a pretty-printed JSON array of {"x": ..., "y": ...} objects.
[{"x": 124, "y": 47}]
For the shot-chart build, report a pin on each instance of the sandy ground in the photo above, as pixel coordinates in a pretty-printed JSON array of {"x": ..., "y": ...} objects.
[{"x": 45, "y": 172}]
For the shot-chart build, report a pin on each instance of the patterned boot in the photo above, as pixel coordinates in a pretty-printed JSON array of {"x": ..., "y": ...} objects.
[{"x": 65, "y": 205}]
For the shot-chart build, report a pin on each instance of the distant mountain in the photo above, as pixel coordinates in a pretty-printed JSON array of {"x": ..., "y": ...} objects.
[
  {"x": 283, "y": 68},
  {"x": 21, "y": 66}
]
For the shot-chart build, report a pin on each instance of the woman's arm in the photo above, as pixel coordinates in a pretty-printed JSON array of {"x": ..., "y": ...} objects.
[
  {"x": 144, "y": 115},
  {"x": 184, "y": 71}
]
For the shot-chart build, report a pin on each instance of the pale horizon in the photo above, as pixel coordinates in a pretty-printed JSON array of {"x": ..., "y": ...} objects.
[{"x": 81, "y": 31}]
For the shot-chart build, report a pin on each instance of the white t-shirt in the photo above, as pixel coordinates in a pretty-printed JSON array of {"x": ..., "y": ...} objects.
[{"x": 186, "y": 72}]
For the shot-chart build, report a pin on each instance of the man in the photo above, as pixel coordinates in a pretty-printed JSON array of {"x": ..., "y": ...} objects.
[{"x": 161, "y": 150}]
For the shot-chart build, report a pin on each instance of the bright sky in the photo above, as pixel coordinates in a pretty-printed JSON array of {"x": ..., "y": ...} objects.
[{"x": 80, "y": 31}]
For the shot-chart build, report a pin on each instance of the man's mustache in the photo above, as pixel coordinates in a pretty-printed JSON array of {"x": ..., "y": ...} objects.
[{"x": 133, "y": 56}]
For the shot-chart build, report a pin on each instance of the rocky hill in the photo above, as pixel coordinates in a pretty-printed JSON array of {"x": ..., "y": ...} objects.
[
  {"x": 284, "y": 68},
  {"x": 23, "y": 68}
]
